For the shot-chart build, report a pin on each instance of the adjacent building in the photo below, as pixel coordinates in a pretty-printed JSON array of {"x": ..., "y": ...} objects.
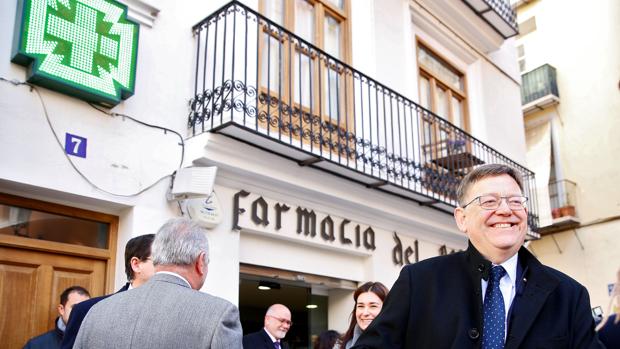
[
  {"x": 571, "y": 103},
  {"x": 339, "y": 130}
]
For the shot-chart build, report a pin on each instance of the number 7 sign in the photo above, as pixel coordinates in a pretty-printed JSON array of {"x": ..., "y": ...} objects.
[{"x": 75, "y": 145}]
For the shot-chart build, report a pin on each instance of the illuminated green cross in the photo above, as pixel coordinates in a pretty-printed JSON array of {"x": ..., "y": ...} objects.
[
  {"x": 81, "y": 34},
  {"x": 85, "y": 48}
]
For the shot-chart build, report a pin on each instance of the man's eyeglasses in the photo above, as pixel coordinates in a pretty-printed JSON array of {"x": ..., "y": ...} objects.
[
  {"x": 492, "y": 202},
  {"x": 284, "y": 321}
]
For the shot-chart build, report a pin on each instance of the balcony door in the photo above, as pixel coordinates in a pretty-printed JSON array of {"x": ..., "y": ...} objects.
[
  {"x": 446, "y": 149},
  {"x": 303, "y": 89}
]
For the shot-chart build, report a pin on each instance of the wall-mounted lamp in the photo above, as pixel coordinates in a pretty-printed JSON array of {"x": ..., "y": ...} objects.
[
  {"x": 192, "y": 182},
  {"x": 312, "y": 306},
  {"x": 268, "y": 285}
]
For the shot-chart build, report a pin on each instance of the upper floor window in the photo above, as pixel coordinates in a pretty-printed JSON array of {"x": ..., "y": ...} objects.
[
  {"x": 294, "y": 72},
  {"x": 442, "y": 87}
]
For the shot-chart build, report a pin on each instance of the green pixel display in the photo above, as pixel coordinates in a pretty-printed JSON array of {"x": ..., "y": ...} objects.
[{"x": 85, "y": 48}]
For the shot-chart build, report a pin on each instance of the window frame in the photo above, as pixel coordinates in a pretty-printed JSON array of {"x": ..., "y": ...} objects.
[
  {"x": 436, "y": 82},
  {"x": 290, "y": 61}
]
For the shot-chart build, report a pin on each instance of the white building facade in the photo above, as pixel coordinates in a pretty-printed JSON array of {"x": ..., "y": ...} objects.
[{"x": 339, "y": 130}]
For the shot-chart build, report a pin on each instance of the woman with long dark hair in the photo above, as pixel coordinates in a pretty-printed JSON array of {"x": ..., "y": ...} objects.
[{"x": 369, "y": 300}]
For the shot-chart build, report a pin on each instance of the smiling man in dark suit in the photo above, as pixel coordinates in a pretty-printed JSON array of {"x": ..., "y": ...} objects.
[
  {"x": 495, "y": 294},
  {"x": 277, "y": 323}
]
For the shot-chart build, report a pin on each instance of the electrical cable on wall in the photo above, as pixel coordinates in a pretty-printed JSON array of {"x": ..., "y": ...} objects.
[{"x": 15, "y": 82}]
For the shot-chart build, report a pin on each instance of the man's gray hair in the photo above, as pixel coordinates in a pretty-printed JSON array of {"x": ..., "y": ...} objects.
[
  {"x": 179, "y": 242},
  {"x": 484, "y": 171}
]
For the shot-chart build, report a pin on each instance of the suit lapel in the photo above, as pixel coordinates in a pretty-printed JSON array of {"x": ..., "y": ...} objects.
[
  {"x": 267, "y": 340},
  {"x": 538, "y": 285}
]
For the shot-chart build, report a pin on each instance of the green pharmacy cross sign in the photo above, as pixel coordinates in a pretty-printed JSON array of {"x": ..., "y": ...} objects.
[{"x": 85, "y": 48}]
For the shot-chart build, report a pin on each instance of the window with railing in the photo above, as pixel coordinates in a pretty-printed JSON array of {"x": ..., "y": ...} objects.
[
  {"x": 292, "y": 73},
  {"x": 442, "y": 91},
  {"x": 562, "y": 195},
  {"x": 260, "y": 83}
]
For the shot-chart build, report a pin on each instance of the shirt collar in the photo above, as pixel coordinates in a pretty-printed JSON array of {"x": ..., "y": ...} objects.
[
  {"x": 60, "y": 325},
  {"x": 177, "y": 275},
  {"x": 510, "y": 266}
]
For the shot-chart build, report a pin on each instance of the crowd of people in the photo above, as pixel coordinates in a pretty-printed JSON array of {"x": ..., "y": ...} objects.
[{"x": 495, "y": 294}]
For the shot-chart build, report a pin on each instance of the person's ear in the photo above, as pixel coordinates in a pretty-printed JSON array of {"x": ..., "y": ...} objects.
[
  {"x": 61, "y": 309},
  {"x": 135, "y": 264},
  {"x": 201, "y": 264},
  {"x": 459, "y": 217}
]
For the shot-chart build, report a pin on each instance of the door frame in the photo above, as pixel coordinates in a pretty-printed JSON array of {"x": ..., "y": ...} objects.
[{"x": 108, "y": 255}]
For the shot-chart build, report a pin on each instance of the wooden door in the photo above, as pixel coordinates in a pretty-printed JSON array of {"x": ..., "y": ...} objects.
[{"x": 30, "y": 286}]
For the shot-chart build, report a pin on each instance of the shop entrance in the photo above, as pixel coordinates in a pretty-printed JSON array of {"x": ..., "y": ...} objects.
[
  {"x": 304, "y": 294},
  {"x": 45, "y": 248}
]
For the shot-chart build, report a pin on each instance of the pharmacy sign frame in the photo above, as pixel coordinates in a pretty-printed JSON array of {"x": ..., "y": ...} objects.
[{"x": 84, "y": 48}]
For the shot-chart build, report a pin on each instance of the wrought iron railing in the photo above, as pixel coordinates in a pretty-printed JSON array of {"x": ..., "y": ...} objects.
[
  {"x": 254, "y": 75},
  {"x": 499, "y": 14},
  {"x": 539, "y": 83},
  {"x": 562, "y": 196}
]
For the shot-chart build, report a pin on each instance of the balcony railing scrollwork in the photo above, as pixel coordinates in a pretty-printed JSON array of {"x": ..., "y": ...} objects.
[{"x": 259, "y": 83}]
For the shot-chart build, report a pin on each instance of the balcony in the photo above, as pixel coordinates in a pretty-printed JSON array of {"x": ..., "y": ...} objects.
[
  {"x": 264, "y": 86},
  {"x": 499, "y": 14},
  {"x": 562, "y": 195},
  {"x": 539, "y": 89},
  {"x": 485, "y": 24}
]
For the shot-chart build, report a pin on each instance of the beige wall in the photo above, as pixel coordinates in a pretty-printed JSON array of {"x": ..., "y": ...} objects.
[{"x": 581, "y": 41}]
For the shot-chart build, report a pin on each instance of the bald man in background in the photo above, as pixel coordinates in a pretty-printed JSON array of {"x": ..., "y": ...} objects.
[{"x": 277, "y": 323}]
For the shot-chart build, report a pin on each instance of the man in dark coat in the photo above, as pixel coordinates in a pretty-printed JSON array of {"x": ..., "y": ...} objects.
[
  {"x": 277, "y": 323},
  {"x": 52, "y": 339},
  {"x": 139, "y": 269},
  {"x": 493, "y": 295}
]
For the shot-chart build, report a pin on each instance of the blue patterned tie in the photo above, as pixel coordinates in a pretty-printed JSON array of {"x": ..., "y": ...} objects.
[
  {"x": 276, "y": 345},
  {"x": 493, "y": 312}
]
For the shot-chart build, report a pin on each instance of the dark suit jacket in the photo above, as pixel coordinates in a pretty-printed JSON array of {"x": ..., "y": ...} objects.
[
  {"x": 610, "y": 333},
  {"x": 260, "y": 340},
  {"x": 437, "y": 303},
  {"x": 48, "y": 340},
  {"x": 78, "y": 313}
]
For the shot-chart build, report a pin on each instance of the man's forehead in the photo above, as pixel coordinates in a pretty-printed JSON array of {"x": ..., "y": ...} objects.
[
  {"x": 481, "y": 186},
  {"x": 281, "y": 312}
]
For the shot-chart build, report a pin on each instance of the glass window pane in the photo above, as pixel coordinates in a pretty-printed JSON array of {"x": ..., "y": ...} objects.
[
  {"x": 338, "y": 3},
  {"x": 270, "y": 63},
  {"x": 332, "y": 36},
  {"x": 330, "y": 94},
  {"x": 303, "y": 66},
  {"x": 458, "y": 119},
  {"x": 274, "y": 10},
  {"x": 39, "y": 225},
  {"x": 425, "y": 93},
  {"x": 442, "y": 103},
  {"x": 440, "y": 69},
  {"x": 304, "y": 20}
]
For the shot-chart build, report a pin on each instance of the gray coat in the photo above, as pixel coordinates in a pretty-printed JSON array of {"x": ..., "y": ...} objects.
[{"x": 163, "y": 313}]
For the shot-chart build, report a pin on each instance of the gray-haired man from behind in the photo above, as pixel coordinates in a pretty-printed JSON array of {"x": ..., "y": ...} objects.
[{"x": 167, "y": 312}]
